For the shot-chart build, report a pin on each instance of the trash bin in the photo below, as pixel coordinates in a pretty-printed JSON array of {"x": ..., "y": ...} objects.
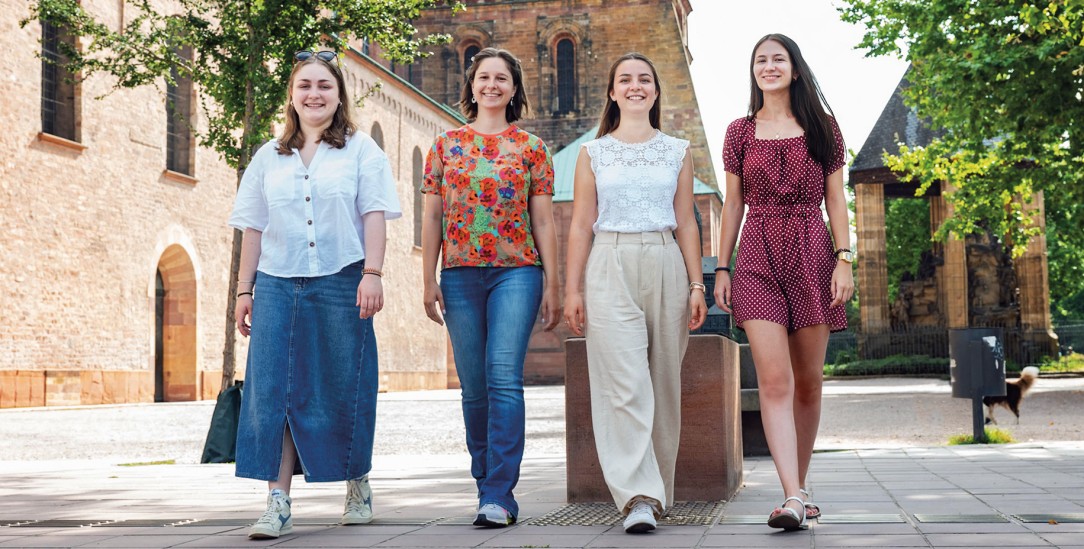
[
  {"x": 977, "y": 362},
  {"x": 977, "y": 369}
]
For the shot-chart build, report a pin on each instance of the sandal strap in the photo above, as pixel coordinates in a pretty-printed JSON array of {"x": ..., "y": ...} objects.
[{"x": 795, "y": 498}]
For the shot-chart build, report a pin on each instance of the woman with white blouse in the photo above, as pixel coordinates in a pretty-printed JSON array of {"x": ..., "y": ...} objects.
[
  {"x": 644, "y": 290},
  {"x": 312, "y": 205}
]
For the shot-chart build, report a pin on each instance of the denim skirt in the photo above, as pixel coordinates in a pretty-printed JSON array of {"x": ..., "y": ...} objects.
[{"x": 312, "y": 366}]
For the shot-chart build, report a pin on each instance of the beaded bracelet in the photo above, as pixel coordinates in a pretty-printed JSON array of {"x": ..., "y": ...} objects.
[
  {"x": 698, "y": 286},
  {"x": 374, "y": 272}
]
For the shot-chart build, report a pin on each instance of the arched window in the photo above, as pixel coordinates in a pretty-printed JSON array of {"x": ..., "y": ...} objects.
[
  {"x": 468, "y": 54},
  {"x": 566, "y": 75},
  {"x": 419, "y": 198},
  {"x": 378, "y": 135}
]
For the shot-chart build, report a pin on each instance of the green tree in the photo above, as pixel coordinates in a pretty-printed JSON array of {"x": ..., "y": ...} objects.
[
  {"x": 907, "y": 236},
  {"x": 243, "y": 56},
  {"x": 1004, "y": 80}
]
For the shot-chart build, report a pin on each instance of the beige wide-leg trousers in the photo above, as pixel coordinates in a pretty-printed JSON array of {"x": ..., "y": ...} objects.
[{"x": 637, "y": 306}]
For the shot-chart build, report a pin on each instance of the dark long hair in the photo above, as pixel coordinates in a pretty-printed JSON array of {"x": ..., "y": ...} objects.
[
  {"x": 517, "y": 108},
  {"x": 611, "y": 113},
  {"x": 807, "y": 102},
  {"x": 341, "y": 124}
]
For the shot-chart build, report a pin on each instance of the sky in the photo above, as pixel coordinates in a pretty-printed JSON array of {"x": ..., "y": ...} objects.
[{"x": 721, "y": 38}]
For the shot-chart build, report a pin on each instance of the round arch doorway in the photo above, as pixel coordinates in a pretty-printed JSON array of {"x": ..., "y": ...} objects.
[{"x": 175, "y": 375}]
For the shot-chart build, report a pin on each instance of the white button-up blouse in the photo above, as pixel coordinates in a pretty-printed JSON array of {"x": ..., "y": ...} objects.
[{"x": 311, "y": 217}]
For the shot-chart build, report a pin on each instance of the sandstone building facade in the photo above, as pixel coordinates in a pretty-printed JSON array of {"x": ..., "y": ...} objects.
[{"x": 115, "y": 256}]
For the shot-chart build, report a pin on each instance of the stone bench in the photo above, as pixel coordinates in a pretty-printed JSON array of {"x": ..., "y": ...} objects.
[{"x": 709, "y": 465}]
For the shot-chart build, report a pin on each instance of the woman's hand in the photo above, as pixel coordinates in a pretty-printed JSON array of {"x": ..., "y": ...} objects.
[
  {"x": 574, "y": 312},
  {"x": 242, "y": 314},
  {"x": 433, "y": 300},
  {"x": 551, "y": 308},
  {"x": 842, "y": 284},
  {"x": 698, "y": 309},
  {"x": 722, "y": 291},
  {"x": 370, "y": 295}
]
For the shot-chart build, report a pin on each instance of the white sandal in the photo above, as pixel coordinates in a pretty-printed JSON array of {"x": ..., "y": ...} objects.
[
  {"x": 787, "y": 518},
  {"x": 811, "y": 509}
]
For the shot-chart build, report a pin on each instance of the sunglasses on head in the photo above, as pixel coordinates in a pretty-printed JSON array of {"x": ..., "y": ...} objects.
[{"x": 305, "y": 55}]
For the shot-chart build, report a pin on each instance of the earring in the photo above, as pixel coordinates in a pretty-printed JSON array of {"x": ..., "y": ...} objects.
[
  {"x": 473, "y": 99},
  {"x": 512, "y": 103}
]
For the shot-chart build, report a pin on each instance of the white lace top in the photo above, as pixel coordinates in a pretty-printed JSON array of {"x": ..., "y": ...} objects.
[{"x": 636, "y": 182}]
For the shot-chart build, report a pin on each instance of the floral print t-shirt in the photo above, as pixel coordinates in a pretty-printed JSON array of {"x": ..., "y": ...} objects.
[{"x": 485, "y": 182}]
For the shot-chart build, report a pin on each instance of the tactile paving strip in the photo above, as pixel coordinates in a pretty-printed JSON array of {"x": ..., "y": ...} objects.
[
  {"x": 700, "y": 513},
  {"x": 960, "y": 519},
  {"x": 1056, "y": 517}
]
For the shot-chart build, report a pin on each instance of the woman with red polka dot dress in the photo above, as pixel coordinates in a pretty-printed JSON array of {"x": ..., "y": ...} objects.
[{"x": 792, "y": 277}]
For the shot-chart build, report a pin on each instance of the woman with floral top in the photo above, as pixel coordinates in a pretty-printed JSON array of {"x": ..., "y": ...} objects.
[
  {"x": 634, "y": 233},
  {"x": 488, "y": 210}
]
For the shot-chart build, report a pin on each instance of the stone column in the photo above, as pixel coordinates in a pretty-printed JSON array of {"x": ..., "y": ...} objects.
[
  {"x": 1034, "y": 285},
  {"x": 872, "y": 258},
  {"x": 955, "y": 274}
]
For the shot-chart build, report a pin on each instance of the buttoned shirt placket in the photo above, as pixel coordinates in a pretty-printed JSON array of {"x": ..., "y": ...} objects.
[{"x": 305, "y": 176}]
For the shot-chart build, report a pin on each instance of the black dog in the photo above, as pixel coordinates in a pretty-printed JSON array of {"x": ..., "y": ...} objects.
[{"x": 1014, "y": 395}]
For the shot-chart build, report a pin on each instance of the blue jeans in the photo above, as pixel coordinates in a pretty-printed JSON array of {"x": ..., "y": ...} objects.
[{"x": 490, "y": 312}]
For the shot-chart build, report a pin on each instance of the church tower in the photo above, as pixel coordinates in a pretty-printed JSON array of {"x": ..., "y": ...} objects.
[{"x": 566, "y": 47}]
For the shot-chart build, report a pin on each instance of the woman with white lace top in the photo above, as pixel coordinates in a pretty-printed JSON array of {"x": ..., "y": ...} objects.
[{"x": 643, "y": 291}]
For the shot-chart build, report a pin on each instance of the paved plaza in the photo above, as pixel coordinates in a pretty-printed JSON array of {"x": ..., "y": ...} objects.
[{"x": 1029, "y": 494}]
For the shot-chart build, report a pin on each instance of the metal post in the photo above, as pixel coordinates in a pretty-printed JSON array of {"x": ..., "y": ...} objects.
[{"x": 978, "y": 420}]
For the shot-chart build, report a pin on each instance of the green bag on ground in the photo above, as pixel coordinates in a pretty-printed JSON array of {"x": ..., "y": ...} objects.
[{"x": 221, "y": 442}]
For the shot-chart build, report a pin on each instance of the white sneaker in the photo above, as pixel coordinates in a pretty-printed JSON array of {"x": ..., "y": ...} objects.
[
  {"x": 641, "y": 519},
  {"x": 492, "y": 515},
  {"x": 359, "y": 502},
  {"x": 276, "y": 520}
]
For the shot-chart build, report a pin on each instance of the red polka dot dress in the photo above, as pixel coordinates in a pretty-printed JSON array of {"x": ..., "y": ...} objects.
[{"x": 785, "y": 256}]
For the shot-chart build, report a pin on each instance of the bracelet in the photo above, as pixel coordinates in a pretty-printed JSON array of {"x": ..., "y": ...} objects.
[
  {"x": 727, "y": 269},
  {"x": 244, "y": 293},
  {"x": 698, "y": 286},
  {"x": 374, "y": 272},
  {"x": 246, "y": 281}
]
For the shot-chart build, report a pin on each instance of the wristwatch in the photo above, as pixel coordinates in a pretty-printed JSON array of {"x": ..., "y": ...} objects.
[{"x": 844, "y": 254}]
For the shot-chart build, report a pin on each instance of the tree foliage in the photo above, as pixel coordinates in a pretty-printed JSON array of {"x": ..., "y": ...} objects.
[
  {"x": 905, "y": 240},
  {"x": 1004, "y": 80},
  {"x": 243, "y": 55}
]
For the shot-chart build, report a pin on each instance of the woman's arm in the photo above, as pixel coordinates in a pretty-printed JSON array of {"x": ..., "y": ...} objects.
[
  {"x": 371, "y": 287},
  {"x": 544, "y": 231},
  {"x": 688, "y": 239},
  {"x": 580, "y": 235},
  {"x": 733, "y": 210},
  {"x": 432, "y": 237},
  {"x": 835, "y": 203},
  {"x": 246, "y": 279}
]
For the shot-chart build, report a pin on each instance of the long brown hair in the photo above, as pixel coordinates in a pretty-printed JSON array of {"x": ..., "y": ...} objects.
[
  {"x": 341, "y": 125},
  {"x": 807, "y": 102},
  {"x": 611, "y": 113},
  {"x": 517, "y": 108}
]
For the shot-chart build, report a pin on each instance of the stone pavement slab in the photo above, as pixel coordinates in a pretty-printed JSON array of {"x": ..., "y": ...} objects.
[{"x": 988, "y": 496}]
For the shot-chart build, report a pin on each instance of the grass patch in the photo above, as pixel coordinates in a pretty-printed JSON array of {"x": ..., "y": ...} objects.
[
  {"x": 993, "y": 436},
  {"x": 1071, "y": 363},
  {"x": 142, "y": 463},
  {"x": 895, "y": 365}
]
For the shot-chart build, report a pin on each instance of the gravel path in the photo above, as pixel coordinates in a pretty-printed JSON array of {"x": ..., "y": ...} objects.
[{"x": 876, "y": 412}]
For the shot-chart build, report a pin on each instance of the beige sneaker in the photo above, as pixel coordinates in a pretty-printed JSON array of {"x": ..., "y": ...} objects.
[
  {"x": 276, "y": 520},
  {"x": 359, "y": 502}
]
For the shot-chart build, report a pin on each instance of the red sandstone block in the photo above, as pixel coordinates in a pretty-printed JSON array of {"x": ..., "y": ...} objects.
[
  {"x": 29, "y": 388},
  {"x": 91, "y": 390},
  {"x": 7, "y": 388},
  {"x": 132, "y": 390},
  {"x": 62, "y": 387},
  {"x": 709, "y": 464},
  {"x": 114, "y": 387}
]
